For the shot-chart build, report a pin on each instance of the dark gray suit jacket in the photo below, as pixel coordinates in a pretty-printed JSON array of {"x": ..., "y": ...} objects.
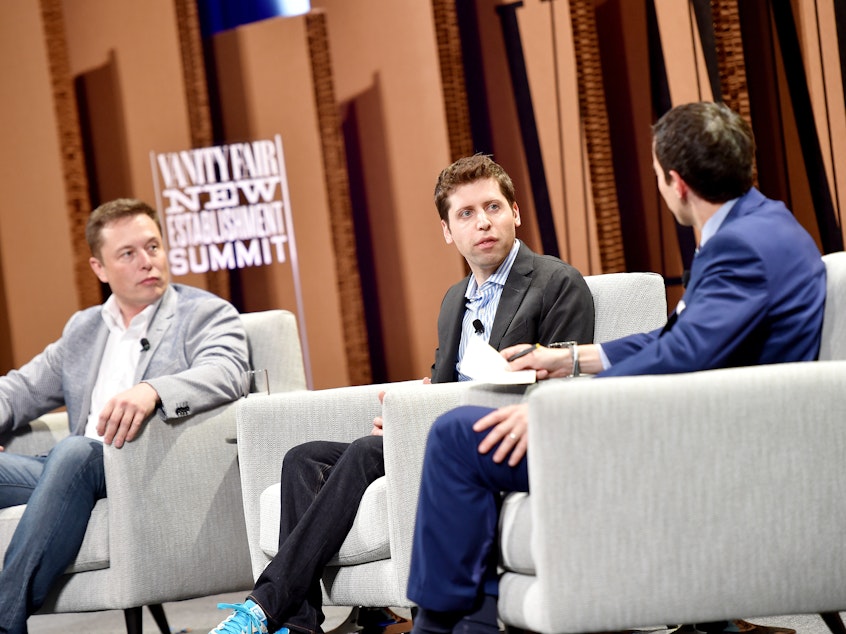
[
  {"x": 198, "y": 349},
  {"x": 544, "y": 300}
]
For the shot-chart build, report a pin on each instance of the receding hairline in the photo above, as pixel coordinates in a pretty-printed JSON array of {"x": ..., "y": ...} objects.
[{"x": 112, "y": 211}]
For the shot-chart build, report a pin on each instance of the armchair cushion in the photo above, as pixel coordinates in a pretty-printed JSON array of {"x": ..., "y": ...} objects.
[
  {"x": 37, "y": 439},
  {"x": 367, "y": 539},
  {"x": 94, "y": 552},
  {"x": 515, "y": 525}
]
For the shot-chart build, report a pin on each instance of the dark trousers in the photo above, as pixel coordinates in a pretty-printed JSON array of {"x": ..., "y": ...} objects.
[
  {"x": 453, "y": 561},
  {"x": 322, "y": 485}
]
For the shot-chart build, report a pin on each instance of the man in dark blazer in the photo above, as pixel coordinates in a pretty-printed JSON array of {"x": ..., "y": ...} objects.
[
  {"x": 540, "y": 291},
  {"x": 756, "y": 295},
  {"x": 152, "y": 347},
  {"x": 511, "y": 295}
]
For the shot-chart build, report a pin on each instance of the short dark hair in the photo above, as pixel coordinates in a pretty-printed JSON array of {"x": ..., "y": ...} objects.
[
  {"x": 710, "y": 146},
  {"x": 469, "y": 170},
  {"x": 111, "y": 211}
]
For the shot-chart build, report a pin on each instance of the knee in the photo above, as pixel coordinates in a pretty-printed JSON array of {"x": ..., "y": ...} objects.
[
  {"x": 299, "y": 457},
  {"x": 71, "y": 457},
  {"x": 366, "y": 445},
  {"x": 454, "y": 429},
  {"x": 75, "y": 451},
  {"x": 298, "y": 453},
  {"x": 365, "y": 453}
]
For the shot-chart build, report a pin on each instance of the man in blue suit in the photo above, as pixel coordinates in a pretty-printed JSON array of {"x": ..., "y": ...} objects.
[
  {"x": 153, "y": 349},
  {"x": 756, "y": 295}
]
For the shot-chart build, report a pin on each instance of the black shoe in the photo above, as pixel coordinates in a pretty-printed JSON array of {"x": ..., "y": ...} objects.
[{"x": 737, "y": 626}]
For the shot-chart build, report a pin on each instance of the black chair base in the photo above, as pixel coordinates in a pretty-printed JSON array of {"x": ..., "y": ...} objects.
[
  {"x": 133, "y": 618},
  {"x": 834, "y": 622}
]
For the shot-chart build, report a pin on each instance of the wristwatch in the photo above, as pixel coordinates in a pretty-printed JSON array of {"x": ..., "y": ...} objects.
[{"x": 574, "y": 353}]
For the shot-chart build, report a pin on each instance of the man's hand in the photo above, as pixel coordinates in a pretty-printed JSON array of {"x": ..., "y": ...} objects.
[
  {"x": 377, "y": 422},
  {"x": 511, "y": 427},
  {"x": 548, "y": 362},
  {"x": 121, "y": 418},
  {"x": 553, "y": 363}
]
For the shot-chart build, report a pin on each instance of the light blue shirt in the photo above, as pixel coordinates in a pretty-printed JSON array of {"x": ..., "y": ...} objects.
[
  {"x": 482, "y": 302},
  {"x": 713, "y": 223}
]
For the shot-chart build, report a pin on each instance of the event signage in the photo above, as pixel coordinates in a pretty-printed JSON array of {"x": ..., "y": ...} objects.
[{"x": 225, "y": 207}]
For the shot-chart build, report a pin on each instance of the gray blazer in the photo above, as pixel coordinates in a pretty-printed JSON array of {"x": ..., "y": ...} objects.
[
  {"x": 544, "y": 300},
  {"x": 198, "y": 349}
]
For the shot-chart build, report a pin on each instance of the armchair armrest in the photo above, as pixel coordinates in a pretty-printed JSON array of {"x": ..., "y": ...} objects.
[
  {"x": 685, "y": 498},
  {"x": 409, "y": 412},
  {"x": 176, "y": 526},
  {"x": 39, "y": 436},
  {"x": 268, "y": 426}
]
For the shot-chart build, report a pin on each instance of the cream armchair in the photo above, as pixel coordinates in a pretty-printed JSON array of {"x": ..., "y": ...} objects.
[
  {"x": 172, "y": 527},
  {"x": 371, "y": 569},
  {"x": 685, "y": 498}
]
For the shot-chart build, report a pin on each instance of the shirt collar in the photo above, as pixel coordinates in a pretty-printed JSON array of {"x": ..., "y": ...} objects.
[
  {"x": 499, "y": 276},
  {"x": 715, "y": 222},
  {"x": 114, "y": 320}
]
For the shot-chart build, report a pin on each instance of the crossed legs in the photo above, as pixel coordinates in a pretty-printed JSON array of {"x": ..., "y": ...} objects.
[
  {"x": 322, "y": 485},
  {"x": 453, "y": 561}
]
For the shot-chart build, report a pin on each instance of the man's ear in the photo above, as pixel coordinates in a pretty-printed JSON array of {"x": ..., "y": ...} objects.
[
  {"x": 679, "y": 185},
  {"x": 516, "y": 210},
  {"x": 98, "y": 269},
  {"x": 447, "y": 232}
]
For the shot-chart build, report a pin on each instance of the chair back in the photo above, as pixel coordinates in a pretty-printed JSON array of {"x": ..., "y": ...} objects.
[
  {"x": 274, "y": 345},
  {"x": 833, "y": 343},
  {"x": 627, "y": 303}
]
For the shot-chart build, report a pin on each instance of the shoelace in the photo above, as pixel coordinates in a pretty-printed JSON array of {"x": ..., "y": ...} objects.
[{"x": 242, "y": 617}]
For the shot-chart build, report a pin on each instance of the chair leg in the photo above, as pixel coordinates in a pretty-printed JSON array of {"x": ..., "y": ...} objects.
[
  {"x": 157, "y": 610},
  {"x": 382, "y": 621},
  {"x": 132, "y": 616},
  {"x": 834, "y": 622},
  {"x": 134, "y": 621},
  {"x": 350, "y": 624}
]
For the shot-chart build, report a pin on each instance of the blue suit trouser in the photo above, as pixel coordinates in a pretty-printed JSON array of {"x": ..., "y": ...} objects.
[
  {"x": 59, "y": 491},
  {"x": 454, "y": 556}
]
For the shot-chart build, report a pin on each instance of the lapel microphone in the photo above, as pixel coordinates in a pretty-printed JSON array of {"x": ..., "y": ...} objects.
[
  {"x": 145, "y": 345},
  {"x": 479, "y": 326}
]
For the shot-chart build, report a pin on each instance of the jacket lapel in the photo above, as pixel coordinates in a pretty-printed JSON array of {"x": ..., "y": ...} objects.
[
  {"x": 454, "y": 305},
  {"x": 90, "y": 357},
  {"x": 518, "y": 282},
  {"x": 159, "y": 325}
]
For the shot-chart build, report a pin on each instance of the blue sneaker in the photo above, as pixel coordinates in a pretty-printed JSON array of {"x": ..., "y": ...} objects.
[{"x": 247, "y": 618}]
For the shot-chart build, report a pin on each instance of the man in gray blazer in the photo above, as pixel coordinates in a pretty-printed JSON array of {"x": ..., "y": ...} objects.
[
  {"x": 511, "y": 295},
  {"x": 152, "y": 348}
]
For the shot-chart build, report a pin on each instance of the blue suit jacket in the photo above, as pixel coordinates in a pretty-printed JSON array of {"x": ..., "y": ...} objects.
[
  {"x": 756, "y": 295},
  {"x": 198, "y": 349}
]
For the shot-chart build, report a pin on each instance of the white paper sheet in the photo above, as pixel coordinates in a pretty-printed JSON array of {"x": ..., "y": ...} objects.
[{"x": 482, "y": 362}]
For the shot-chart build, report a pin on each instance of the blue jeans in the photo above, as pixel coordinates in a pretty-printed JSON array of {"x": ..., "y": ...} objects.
[
  {"x": 322, "y": 485},
  {"x": 59, "y": 491},
  {"x": 454, "y": 553}
]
